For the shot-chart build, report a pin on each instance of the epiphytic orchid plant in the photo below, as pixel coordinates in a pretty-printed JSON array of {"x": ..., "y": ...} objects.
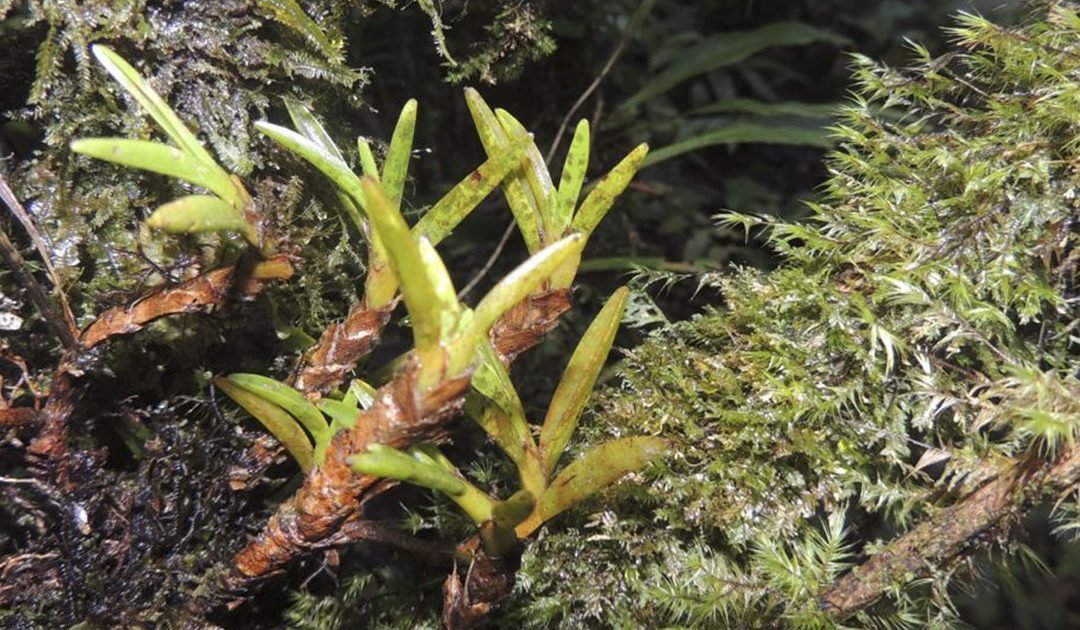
[{"x": 455, "y": 347}]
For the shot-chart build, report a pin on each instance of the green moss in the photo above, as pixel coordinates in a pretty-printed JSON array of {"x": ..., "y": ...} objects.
[{"x": 921, "y": 323}]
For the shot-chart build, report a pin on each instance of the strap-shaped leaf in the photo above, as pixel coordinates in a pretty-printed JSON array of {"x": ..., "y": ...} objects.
[
  {"x": 570, "y": 181},
  {"x": 342, "y": 414},
  {"x": 596, "y": 469},
  {"x": 455, "y": 205},
  {"x": 276, "y": 420},
  {"x": 403, "y": 251},
  {"x": 534, "y": 167},
  {"x": 578, "y": 379},
  {"x": 195, "y": 214},
  {"x": 523, "y": 280},
  {"x": 367, "y": 159},
  {"x": 325, "y": 161},
  {"x": 309, "y": 126},
  {"x": 496, "y": 407},
  {"x": 518, "y": 195},
  {"x": 600, "y": 200},
  {"x": 285, "y": 397},
  {"x": 396, "y": 167},
  {"x": 164, "y": 160},
  {"x": 385, "y": 461},
  {"x": 154, "y": 105}
]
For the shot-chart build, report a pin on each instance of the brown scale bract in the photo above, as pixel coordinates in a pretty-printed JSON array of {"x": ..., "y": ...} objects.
[
  {"x": 213, "y": 288},
  {"x": 340, "y": 347}
]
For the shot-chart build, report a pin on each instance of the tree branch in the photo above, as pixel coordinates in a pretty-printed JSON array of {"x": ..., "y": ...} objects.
[{"x": 958, "y": 530}]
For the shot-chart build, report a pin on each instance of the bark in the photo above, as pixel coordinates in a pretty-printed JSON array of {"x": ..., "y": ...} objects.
[{"x": 961, "y": 529}]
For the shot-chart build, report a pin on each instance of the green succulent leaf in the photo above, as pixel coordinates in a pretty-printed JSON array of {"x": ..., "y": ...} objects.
[
  {"x": 396, "y": 166},
  {"x": 285, "y": 397},
  {"x": 527, "y": 213},
  {"x": 421, "y": 295},
  {"x": 522, "y": 281},
  {"x": 570, "y": 181},
  {"x": 455, "y": 205},
  {"x": 603, "y": 196},
  {"x": 385, "y": 461},
  {"x": 367, "y": 159},
  {"x": 326, "y": 161},
  {"x": 534, "y": 167},
  {"x": 596, "y": 469},
  {"x": 164, "y": 160},
  {"x": 196, "y": 214},
  {"x": 309, "y": 126},
  {"x": 509, "y": 513},
  {"x": 342, "y": 414},
  {"x": 276, "y": 420},
  {"x": 153, "y": 104},
  {"x": 496, "y": 407},
  {"x": 361, "y": 394},
  {"x": 577, "y": 381}
]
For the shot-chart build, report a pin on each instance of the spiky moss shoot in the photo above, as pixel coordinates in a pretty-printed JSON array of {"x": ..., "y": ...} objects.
[{"x": 918, "y": 335}]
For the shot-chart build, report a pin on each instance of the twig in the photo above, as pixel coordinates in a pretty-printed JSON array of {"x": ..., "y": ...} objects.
[
  {"x": 639, "y": 15},
  {"x": 961, "y": 529},
  {"x": 33, "y": 288},
  {"x": 28, "y": 224},
  {"x": 479, "y": 275}
]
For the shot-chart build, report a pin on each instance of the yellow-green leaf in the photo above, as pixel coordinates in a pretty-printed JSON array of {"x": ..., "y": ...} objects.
[
  {"x": 571, "y": 179},
  {"x": 367, "y": 159},
  {"x": 310, "y": 127},
  {"x": 276, "y": 420},
  {"x": 342, "y": 414},
  {"x": 285, "y": 397},
  {"x": 153, "y": 104},
  {"x": 396, "y": 166},
  {"x": 455, "y": 205},
  {"x": 403, "y": 251},
  {"x": 515, "y": 509},
  {"x": 201, "y": 213},
  {"x": 596, "y": 469},
  {"x": 496, "y": 407},
  {"x": 325, "y": 161},
  {"x": 385, "y": 461},
  {"x": 518, "y": 194},
  {"x": 603, "y": 196},
  {"x": 536, "y": 171},
  {"x": 164, "y": 160},
  {"x": 578, "y": 379},
  {"x": 361, "y": 394},
  {"x": 523, "y": 280}
]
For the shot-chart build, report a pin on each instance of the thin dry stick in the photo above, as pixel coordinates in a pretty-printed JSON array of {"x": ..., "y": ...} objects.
[
  {"x": 28, "y": 224},
  {"x": 642, "y": 10}
]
